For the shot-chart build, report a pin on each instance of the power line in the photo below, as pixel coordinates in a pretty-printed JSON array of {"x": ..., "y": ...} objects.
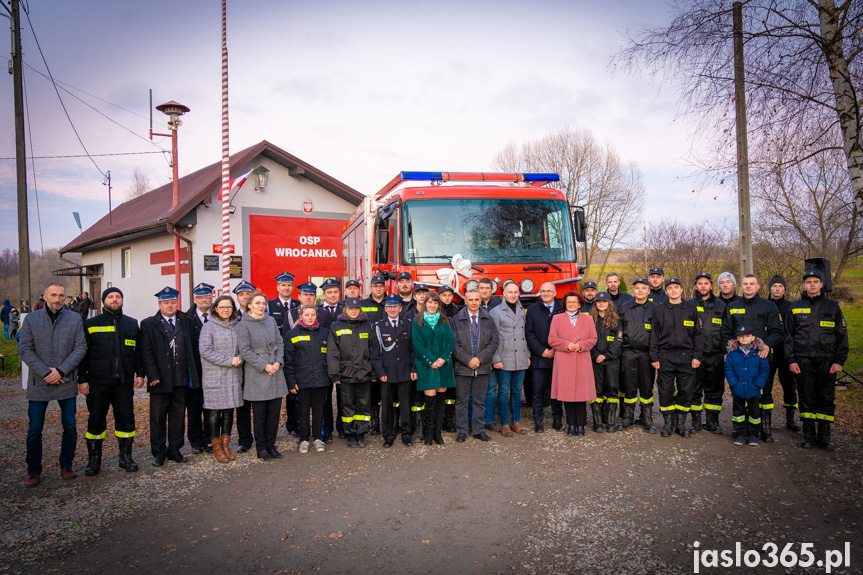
[
  {"x": 92, "y": 155},
  {"x": 32, "y": 162},
  {"x": 57, "y": 90}
]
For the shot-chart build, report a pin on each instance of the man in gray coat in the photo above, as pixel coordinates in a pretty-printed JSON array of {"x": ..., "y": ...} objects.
[
  {"x": 476, "y": 340},
  {"x": 52, "y": 345}
]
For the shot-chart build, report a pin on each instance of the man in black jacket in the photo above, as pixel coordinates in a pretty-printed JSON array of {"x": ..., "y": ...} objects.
[
  {"x": 308, "y": 294},
  {"x": 109, "y": 373},
  {"x": 676, "y": 351},
  {"x": 327, "y": 314},
  {"x": 536, "y": 328},
  {"x": 476, "y": 340},
  {"x": 243, "y": 291},
  {"x": 82, "y": 307},
  {"x": 636, "y": 372},
  {"x": 612, "y": 284},
  {"x": 816, "y": 349},
  {"x": 710, "y": 375},
  {"x": 374, "y": 304},
  {"x": 776, "y": 287},
  {"x": 169, "y": 364},
  {"x": 761, "y": 315},
  {"x": 393, "y": 360},
  {"x": 197, "y": 417},
  {"x": 656, "y": 277}
]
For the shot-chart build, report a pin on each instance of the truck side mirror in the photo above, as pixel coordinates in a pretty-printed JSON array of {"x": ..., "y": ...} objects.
[
  {"x": 579, "y": 226},
  {"x": 382, "y": 245}
]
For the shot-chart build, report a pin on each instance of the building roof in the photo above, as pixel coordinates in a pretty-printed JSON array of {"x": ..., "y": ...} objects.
[{"x": 152, "y": 211}]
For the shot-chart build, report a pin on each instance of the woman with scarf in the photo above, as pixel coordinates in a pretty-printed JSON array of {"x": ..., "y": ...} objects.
[
  {"x": 433, "y": 343},
  {"x": 572, "y": 335}
]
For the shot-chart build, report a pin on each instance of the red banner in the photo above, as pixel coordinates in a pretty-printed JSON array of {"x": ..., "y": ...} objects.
[{"x": 309, "y": 248}]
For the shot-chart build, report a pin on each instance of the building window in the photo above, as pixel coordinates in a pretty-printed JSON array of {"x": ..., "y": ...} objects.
[{"x": 126, "y": 262}]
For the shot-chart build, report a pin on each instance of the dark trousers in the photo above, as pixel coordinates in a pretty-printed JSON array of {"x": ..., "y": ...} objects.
[
  {"x": 292, "y": 411},
  {"x": 329, "y": 423},
  {"x": 709, "y": 383},
  {"x": 418, "y": 400},
  {"x": 170, "y": 409},
  {"x": 637, "y": 376},
  {"x": 745, "y": 416},
  {"x": 606, "y": 377},
  {"x": 100, "y": 399},
  {"x": 817, "y": 388},
  {"x": 576, "y": 413},
  {"x": 36, "y": 412},
  {"x": 311, "y": 400},
  {"x": 541, "y": 386},
  {"x": 198, "y": 422},
  {"x": 244, "y": 425},
  {"x": 376, "y": 396},
  {"x": 355, "y": 411},
  {"x": 393, "y": 393},
  {"x": 467, "y": 386},
  {"x": 267, "y": 414},
  {"x": 220, "y": 422},
  {"x": 676, "y": 380},
  {"x": 786, "y": 379}
]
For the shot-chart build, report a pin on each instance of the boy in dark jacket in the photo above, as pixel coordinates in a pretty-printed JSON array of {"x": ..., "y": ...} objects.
[
  {"x": 349, "y": 364},
  {"x": 746, "y": 373}
]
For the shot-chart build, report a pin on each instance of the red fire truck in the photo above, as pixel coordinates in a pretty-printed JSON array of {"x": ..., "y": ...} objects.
[{"x": 456, "y": 228}]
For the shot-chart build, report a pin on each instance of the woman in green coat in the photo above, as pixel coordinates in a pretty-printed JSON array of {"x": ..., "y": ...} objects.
[{"x": 433, "y": 343}]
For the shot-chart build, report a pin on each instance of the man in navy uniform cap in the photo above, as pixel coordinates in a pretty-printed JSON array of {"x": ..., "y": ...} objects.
[
  {"x": 393, "y": 360},
  {"x": 198, "y": 431},
  {"x": 328, "y": 311},
  {"x": 279, "y": 306},
  {"x": 243, "y": 291},
  {"x": 405, "y": 287},
  {"x": 169, "y": 363},
  {"x": 656, "y": 278},
  {"x": 352, "y": 289},
  {"x": 374, "y": 304}
]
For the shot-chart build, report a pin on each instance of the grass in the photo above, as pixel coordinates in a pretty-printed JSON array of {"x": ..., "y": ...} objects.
[{"x": 9, "y": 348}]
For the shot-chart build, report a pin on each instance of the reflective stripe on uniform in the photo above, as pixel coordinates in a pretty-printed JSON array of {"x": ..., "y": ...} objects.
[
  {"x": 823, "y": 417},
  {"x": 89, "y": 435},
  {"x": 712, "y": 407},
  {"x": 612, "y": 400},
  {"x": 669, "y": 408},
  {"x": 101, "y": 329},
  {"x": 364, "y": 336},
  {"x": 695, "y": 407},
  {"x": 630, "y": 399},
  {"x": 806, "y": 415},
  {"x": 765, "y": 405},
  {"x": 418, "y": 407},
  {"x": 597, "y": 400},
  {"x": 130, "y": 342},
  {"x": 368, "y": 309},
  {"x": 797, "y": 310},
  {"x": 362, "y": 418},
  {"x": 740, "y": 419},
  {"x": 688, "y": 323},
  {"x": 736, "y": 311},
  {"x": 717, "y": 320},
  {"x": 794, "y": 405},
  {"x": 449, "y": 401},
  {"x": 645, "y": 400},
  {"x": 301, "y": 338},
  {"x": 124, "y": 433},
  {"x": 755, "y": 420},
  {"x": 344, "y": 332},
  {"x": 828, "y": 324},
  {"x": 681, "y": 408}
]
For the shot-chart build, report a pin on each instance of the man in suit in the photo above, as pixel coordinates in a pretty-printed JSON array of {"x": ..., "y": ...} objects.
[
  {"x": 245, "y": 439},
  {"x": 279, "y": 307},
  {"x": 198, "y": 432},
  {"x": 169, "y": 363},
  {"x": 536, "y": 328}
]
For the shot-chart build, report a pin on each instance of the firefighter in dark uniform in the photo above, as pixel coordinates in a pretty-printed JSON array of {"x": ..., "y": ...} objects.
[
  {"x": 393, "y": 360},
  {"x": 327, "y": 314},
  {"x": 349, "y": 364},
  {"x": 676, "y": 351},
  {"x": 112, "y": 370},
  {"x": 448, "y": 308},
  {"x": 606, "y": 364},
  {"x": 636, "y": 373},
  {"x": 418, "y": 398},
  {"x": 166, "y": 354},
  {"x": 776, "y": 288},
  {"x": 352, "y": 289},
  {"x": 710, "y": 375},
  {"x": 589, "y": 291},
  {"x": 243, "y": 291},
  {"x": 308, "y": 293},
  {"x": 763, "y": 316},
  {"x": 816, "y": 349},
  {"x": 727, "y": 288},
  {"x": 197, "y": 417},
  {"x": 405, "y": 290},
  {"x": 374, "y": 304},
  {"x": 612, "y": 285},
  {"x": 279, "y": 306},
  {"x": 656, "y": 279}
]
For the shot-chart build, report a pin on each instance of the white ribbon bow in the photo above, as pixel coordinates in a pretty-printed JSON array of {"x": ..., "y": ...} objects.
[{"x": 460, "y": 266}]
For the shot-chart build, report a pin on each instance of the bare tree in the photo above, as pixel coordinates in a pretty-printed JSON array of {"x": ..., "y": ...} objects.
[
  {"x": 592, "y": 175},
  {"x": 803, "y": 73},
  {"x": 140, "y": 184}
]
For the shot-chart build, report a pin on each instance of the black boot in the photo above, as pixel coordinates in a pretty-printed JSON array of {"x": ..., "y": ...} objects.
[
  {"x": 767, "y": 425},
  {"x": 682, "y": 430},
  {"x": 429, "y": 417},
  {"x": 440, "y": 412},
  {"x": 610, "y": 417},
  {"x": 668, "y": 425},
  {"x": 824, "y": 436},
  {"x": 417, "y": 420},
  {"x": 712, "y": 422},
  {"x": 790, "y": 423},
  {"x": 696, "y": 421},
  {"x": 627, "y": 416},
  {"x": 126, "y": 461},
  {"x": 376, "y": 421},
  {"x": 808, "y": 434},
  {"x": 648, "y": 418},
  {"x": 596, "y": 410},
  {"x": 557, "y": 425},
  {"x": 94, "y": 452},
  {"x": 449, "y": 417}
]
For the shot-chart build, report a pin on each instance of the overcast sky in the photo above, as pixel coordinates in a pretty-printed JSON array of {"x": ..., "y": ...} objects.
[{"x": 361, "y": 90}]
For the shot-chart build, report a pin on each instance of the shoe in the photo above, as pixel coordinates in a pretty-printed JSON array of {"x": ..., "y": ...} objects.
[
  {"x": 579, "y": 430},
  {"x": 94, "y": 455},
  {"x": 557, "y": 425},
  {"x": 482, "y": 436},
  {"x": 538, "y": 427},
  {"x": 274, "y": 453},
  {"x": 177, "y": 457},
  {"x": 352, "y": 441},
  {"x": 388, "y": 442},
  {"x": 304, "y": 447},
  {"x": 265, "y": 456},
  {"x": 361, "y": 440},
  {"x": 159, "y": 461},
  {"x": 460, "y": 438},
  {"x": 67, "y": 473},
  {"x": 808, "y": 434},
  {"x": 33, "y": 479},
  {"x": 739, "y": 440},
  {"x": 517, "y": 428},
  {"x": 753, "y": 441},
  {"x": 197, "y": 450},
  {"x": 505, "y": 431},
  {"x": 570, "y": 430},
  {"x": 226, "y": 446},
  {"x": 328, "y": 439},
  {"x": 208, "y": 449},
  {"x": 219, "y": 451},
  {"x": 493, "y": 426},
  {"x": 243, "y": 448},
  {"x": 767, "y": 425},
  {"x": 126, "y": 461},
  {"x": 320, "y": 447},
  {"x": 790, "y": 424},
  {"x": 407, "y": 441}
]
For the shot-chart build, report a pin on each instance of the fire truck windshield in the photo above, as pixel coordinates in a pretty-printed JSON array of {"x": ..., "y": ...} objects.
[{"x": 486, "y": 231}]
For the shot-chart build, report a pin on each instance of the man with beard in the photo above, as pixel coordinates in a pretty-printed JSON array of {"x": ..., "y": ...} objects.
[
  {"x": 656, "y": 277},
  {"x": 710, "y": 375},
  {"x": 588, "y": 290}
]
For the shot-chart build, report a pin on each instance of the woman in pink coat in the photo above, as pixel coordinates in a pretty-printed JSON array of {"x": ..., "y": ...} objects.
[{"x": 571, "y": 335}]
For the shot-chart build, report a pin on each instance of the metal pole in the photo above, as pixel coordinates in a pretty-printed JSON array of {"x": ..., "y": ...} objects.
[
  {"x": 746, "y": 262},
  {"x": 21, "y": 164},
  {"x": 226, "y": 160},
  {"x": 175, "y": 201}
]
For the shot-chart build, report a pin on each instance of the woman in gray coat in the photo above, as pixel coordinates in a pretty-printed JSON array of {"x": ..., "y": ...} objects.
[
  {"x": 221, "y": 374},
  {"x": 263, "y": 350},
  {"x": 511, "y": 359}
]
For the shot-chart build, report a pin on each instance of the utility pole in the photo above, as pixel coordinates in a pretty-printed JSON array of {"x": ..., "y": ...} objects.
[
  {"x": 20, "y": 160},
  {"x": 745, "y": 223},
  {"x": 107, "y": 182}
]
